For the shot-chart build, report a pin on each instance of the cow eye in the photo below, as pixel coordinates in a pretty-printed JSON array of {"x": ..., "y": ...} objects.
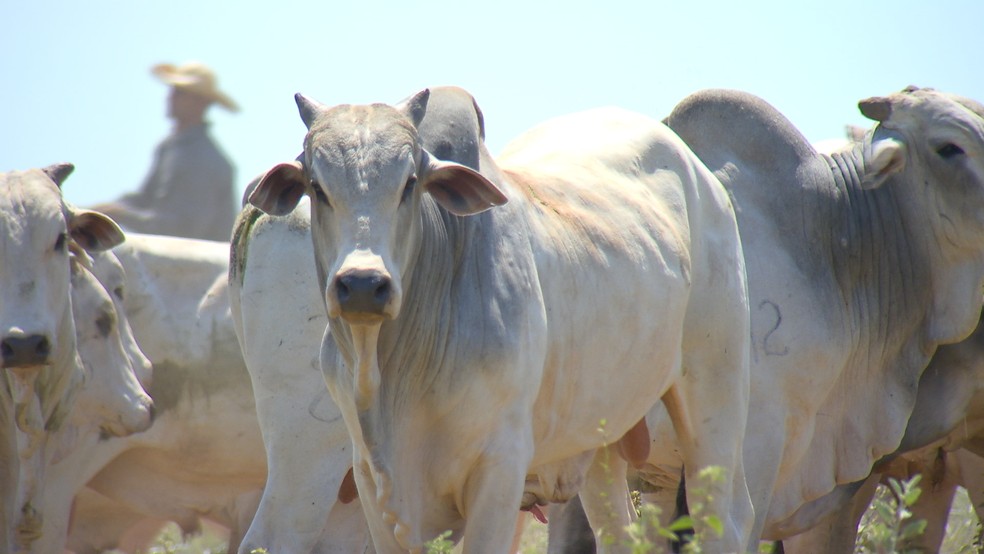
[
  {"x": 105, "y": 323},
  {"x": 61, "y": 242},
  {"x": 949, "y": 150},
  {"x": 408, "y": 189},
  {"x": 320, "y": 194},
  {"x": 118, "y": 291}
]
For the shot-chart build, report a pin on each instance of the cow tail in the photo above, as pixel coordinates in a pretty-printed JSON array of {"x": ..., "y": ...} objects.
[{"x": 685, "y": 535}]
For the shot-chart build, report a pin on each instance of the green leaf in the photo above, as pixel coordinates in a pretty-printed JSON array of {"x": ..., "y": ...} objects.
[
  {"x": 682, "y": 523},
  {"x": 913, "y": 529},
  {"x": 911, "y": 496},
  {"x": 667, "y": 534},
  {"x": 714, "y": 522},
  {"x": 896, "y": 487},
  {"x": 885, "y": 512}
]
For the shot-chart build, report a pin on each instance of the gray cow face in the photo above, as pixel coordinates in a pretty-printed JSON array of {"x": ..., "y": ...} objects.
[
  {"x": 366, "y": 175},
  {"x": 35, "y": 229},
  {"x": 937, "y": 141},
  {"x": 113, "y": 398},
  {"x": 34, "y": 275}
]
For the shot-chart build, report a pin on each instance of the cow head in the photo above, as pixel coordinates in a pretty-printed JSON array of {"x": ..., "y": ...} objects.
[
  {"x": 937, "y": 140},
  {"x": 367, "y": 175},
  {"x": 35, "y": 229},
  {"x": 114, "y": 398},
  {"x": 109, "y": 271}
]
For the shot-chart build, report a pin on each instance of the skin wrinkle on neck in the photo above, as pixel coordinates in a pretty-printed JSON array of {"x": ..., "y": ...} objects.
[{"x": 879, "y": 248}]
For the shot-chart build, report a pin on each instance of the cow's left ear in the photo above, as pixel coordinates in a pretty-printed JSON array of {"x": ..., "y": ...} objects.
[
  {"x": 459, "y": 189},
  {"x": 280, "y": 189},
  {"x": 887, "y": 158},
  {"x": 93, "y": 231}
]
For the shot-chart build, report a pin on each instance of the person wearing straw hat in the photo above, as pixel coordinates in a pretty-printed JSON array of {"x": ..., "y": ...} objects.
[{"x": 189, "y": 191}]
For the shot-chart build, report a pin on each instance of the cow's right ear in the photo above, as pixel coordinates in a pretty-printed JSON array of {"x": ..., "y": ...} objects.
[
  {"x": 280, "y": 189},
  {"x": 887, "y": 158}
]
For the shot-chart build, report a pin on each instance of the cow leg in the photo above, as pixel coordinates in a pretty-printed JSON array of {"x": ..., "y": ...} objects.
[
  {"x": 940, "y": 477},
  {"x": 605, "y": 498},
  {"x": 306, "y": 467},
  {"x": 569, "y": 531},
  {"x": 837, "y": 532},
  {"x": 705, "y": 423},
  {"x": 9, "y": 466},
  {"x": 709, "y": 403},
  {"x": 521, "y": 520},
  {"x": 492, "y": 493},
  {"x": 243, "y": 511}
]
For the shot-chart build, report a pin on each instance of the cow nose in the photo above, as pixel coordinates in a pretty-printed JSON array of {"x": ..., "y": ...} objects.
[
  {"x": 363, "y": 292},
  {"x": 22, "y": 351}
]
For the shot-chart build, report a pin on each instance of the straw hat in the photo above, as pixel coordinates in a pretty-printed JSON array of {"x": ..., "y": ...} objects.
[{"x": 194, "y": 77}]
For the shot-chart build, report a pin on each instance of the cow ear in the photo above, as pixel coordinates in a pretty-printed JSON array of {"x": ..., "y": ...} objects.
[
  {"x": 59, "y": 172},
  {"x": 887, "y": 158},
  {"x": 93, "y": 231},
  {"x": 459, "y": 189},
  {"x": 280, "y": 189},
  {"x": 415, "y": 107}
]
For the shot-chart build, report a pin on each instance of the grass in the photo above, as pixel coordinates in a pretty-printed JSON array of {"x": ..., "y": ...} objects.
[{"x": 961, "y": 533}]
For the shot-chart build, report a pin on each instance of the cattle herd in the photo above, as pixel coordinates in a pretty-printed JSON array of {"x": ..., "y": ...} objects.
[{"x": 407, "y": 336}]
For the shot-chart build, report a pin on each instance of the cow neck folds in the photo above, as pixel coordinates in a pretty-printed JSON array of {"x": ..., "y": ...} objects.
[
  {"x": 412, "y": 355},
  {"x": 879, "y": 261},
  {"x": 411, "y": 349}
]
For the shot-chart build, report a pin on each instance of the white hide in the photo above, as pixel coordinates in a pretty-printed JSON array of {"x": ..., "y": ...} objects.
[
  {"x": 280, "y": 320},
  {"x": 490, "y": 361},
  {"x": 860, "y": 264},
  {"x": 41, "y": 370},
  {"x": 202, "y": 457}
]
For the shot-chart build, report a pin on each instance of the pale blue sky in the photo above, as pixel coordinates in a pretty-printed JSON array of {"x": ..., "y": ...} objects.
[{"x": 76, "y": 84}]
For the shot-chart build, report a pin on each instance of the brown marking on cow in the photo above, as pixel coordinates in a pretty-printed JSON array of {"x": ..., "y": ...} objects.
[
  {"x": 347, "y": 491},
  {"x": 633, "y": 447}
]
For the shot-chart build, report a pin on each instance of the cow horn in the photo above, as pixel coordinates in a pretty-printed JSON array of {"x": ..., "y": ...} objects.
[
  {"x": 416, "y": 107},
  {"x": 877, "y": 108},
  {"x": 59, "y": 172},
  {"x": 308, "y": 108}
]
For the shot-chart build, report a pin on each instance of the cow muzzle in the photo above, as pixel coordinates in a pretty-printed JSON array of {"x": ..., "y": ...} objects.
[
  {"x": 363, "y": 296},
  {"x": 20, "y": 350}
]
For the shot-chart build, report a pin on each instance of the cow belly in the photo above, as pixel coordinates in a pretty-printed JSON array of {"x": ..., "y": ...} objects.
[
  {"x": 598, "y": 385},
  {"x": 199, "y": 456}
]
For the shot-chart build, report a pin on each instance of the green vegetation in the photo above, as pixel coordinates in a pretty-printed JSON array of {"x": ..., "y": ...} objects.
[{"x": 887, "y": 527}]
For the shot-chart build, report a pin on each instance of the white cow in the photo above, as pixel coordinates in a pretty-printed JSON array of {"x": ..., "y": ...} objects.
[
  {"x": 943, "y": 443},
  {"x": 860, "y": 264},
  {"x": 111, "y": 402},
  {"x": 203, "y": 456},
  {"x": 280, "y": 321},
  {"x": 41, "y": 368},
  {"x": 942, "y": 140},
  {"x": 470, "y": 339}
]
